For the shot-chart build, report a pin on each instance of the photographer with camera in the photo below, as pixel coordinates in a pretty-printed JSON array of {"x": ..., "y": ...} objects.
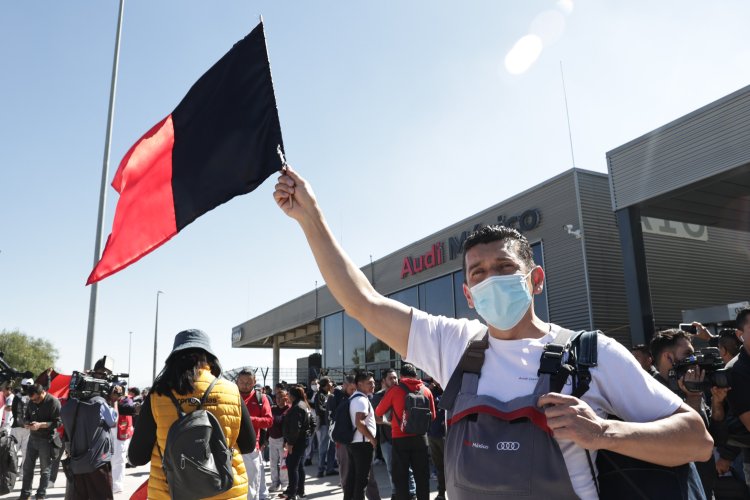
[
  {"x": 42, "y": 418},
  {"x": 684, "y": 373},
  {"x": 88, "y": 416},
  {"x": 738, "y": 399}
]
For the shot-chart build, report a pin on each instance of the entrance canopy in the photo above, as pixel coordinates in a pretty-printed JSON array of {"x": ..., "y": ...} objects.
[{"x": 695, "y": 170}]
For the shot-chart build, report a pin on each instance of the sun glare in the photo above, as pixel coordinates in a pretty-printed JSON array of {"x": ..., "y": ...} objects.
[
  {"x": 549, "y": 26},
  {"x": 565, "y": 6},
  {"x": 523, "y": 54}
]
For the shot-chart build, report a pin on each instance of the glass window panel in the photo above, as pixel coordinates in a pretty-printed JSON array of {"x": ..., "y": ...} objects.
[
  {"x": 377, "y": 351},
  {"x": 409, "y": 296},
  {"x": 540, "y": 301},
  {"x": 462, "y": 307},
  {"x": 333, "y": 340},
  {"x": 354, "y": 343},
  {"x": 436, "y": 296}
]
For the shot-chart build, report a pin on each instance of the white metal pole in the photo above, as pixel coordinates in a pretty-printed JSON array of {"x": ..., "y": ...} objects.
[
  {"x": 103, "y": 194},
  {"x": 156, "y": 334}
]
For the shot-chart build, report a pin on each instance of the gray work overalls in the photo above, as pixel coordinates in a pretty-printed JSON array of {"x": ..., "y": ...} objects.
[{"x": 497, "y": 449}]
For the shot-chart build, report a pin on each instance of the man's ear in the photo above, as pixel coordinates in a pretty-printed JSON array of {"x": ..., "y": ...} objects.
[
  {"x": 537, "y": 280},
  {"x": 467, "y": 294}
]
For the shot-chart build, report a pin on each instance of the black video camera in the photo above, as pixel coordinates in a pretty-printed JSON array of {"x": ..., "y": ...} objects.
[
  {"x": 8, "y": 373},
  {"x": 709, "y": 360},
  {"x": 84, "y": 386}
]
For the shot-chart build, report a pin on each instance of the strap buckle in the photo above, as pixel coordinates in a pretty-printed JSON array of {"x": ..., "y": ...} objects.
[{"x": 551, "y": 360}]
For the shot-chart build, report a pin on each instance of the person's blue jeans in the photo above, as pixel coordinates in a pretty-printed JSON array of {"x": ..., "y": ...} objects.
[
  {"x": 387, "y": 449},
  {"x": 41, "y": 449},
  {"x": 326, "y": 452}
]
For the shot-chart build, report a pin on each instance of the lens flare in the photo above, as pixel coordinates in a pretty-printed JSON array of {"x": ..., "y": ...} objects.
[
  {"x": 549, "y": 26},
  {"x": 523, "y": 54},
  {"x": 565, "y": 5}
]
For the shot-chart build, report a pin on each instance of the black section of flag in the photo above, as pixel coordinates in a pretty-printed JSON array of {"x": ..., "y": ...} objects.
[{"x": 226, "y": 131}]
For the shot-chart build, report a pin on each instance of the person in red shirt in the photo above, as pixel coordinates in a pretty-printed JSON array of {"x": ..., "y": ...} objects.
[
  {"x": 409, "y": 450},
  {"x": 261, "y": 418}
]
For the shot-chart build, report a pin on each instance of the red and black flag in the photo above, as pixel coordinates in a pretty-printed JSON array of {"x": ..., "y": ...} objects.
[{"x": 219, "y": 142}]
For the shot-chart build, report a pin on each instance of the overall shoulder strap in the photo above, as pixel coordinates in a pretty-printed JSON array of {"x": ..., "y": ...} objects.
[{"x": 471, "y": 362}]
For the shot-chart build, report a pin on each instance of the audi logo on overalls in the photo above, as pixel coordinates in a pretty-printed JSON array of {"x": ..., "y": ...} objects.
[{"x": 508, "y": 446}]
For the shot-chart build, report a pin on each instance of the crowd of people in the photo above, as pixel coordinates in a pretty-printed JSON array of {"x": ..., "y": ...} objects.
[
  {"x": 521, "y": 407},
  {"x": 42, "y": 429},
  {"x": 294, "y": 425}
]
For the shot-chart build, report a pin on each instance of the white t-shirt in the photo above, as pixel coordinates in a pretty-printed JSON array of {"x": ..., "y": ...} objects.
[
  {"x": 619, "y": 385},
  {"x": 361, "y": 405},
  {"x": 7, "y": 420}
]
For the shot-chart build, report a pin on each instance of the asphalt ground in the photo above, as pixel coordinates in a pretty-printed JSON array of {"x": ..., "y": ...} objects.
[{"x": 315, "y": 487}]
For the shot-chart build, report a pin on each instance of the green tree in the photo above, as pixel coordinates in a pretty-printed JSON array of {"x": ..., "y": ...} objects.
[{"x": 23, "y": 352}]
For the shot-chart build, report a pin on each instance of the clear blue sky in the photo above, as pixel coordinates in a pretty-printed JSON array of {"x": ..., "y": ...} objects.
[{"x": 403, "y": 115}]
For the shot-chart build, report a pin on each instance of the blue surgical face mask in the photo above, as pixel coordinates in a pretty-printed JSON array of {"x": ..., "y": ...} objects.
[{"x": 502, "y": 300}]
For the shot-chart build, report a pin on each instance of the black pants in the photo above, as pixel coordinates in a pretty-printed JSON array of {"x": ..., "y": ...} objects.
[
  {"x": 411, "y": 452},
  {"x": 358, "y": 473},
  {"x": 295, "y": 467},
  {"x": 437, "y": 451},
  {"x": 97, "y": 484}
]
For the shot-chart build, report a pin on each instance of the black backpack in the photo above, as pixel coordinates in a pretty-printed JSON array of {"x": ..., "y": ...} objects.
[
  {"x": 343, "y": 429},
  {"x": 8, "y": 463},
  {"x": 619, "y": 476},
  {"x": 89, "y": 435},
  {"x": 19, "y": 410},
  {"x": 196, "y": 460},
  {"x": 417, "y": 416},
  {"x": 310, "y": 423}
]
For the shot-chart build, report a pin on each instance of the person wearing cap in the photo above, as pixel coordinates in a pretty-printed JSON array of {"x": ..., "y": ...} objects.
[{"x": 188, "y": 371}]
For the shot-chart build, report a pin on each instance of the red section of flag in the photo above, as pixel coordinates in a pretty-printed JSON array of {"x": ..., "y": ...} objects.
[{"x": 145, "y": 217}]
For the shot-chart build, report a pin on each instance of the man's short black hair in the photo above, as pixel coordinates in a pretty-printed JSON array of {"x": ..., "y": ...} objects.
[
  {"x": 325, "y": 382},
  {"x": 641, "y": 348},
  {"x": 34, "y": 389},
  {"x": 496, "y": 232},
  {"x": 666, "y": 339},
  {"x": 361, "y": 376},
  {"x": 408, "y": 370},
  {"x": 245, "y": 372},
  {"x": 742, "y": 318},
  {"x": 350, "y": 379},
  {"x": 729, "y": 341}
]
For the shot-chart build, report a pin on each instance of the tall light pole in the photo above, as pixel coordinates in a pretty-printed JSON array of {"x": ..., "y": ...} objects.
[
  {"x": 156, "y": 333},
  {"x": 130, "y": 347}
]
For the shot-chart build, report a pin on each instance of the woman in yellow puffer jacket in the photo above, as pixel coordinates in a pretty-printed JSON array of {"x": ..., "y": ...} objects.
[{"x": 187, "y": 373}]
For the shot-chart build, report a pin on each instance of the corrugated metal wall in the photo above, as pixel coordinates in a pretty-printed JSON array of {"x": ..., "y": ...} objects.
[
  {"x": 604, "y": 258},
  {"x": 563, "y": 256},
  {"x": 706, "y": 142},
  {"x": 689, "y": 274}
]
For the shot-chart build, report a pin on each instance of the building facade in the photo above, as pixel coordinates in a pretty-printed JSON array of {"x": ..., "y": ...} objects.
[{"x": 573, "y": 232}]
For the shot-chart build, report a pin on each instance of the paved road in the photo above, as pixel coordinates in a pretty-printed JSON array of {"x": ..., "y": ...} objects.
[{"x": 316, "y": 488}]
